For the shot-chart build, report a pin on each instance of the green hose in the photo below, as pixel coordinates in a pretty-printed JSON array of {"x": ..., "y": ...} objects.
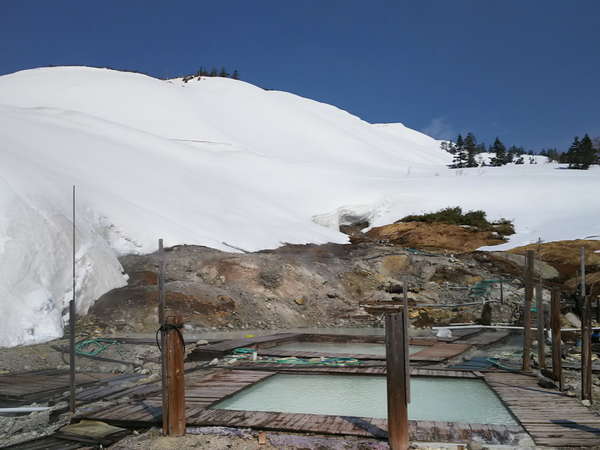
[{"x": 93, "y": 347}]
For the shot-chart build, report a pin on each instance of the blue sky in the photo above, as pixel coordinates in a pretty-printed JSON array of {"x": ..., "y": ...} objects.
[{"x": 527, "y": 70}]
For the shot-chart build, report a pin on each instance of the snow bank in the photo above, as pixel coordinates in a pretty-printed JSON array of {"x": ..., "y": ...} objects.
[{"x": 221, "y": 163}]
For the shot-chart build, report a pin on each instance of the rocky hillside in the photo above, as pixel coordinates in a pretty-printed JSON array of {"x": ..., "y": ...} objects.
[{"x": 304, "y": 285}]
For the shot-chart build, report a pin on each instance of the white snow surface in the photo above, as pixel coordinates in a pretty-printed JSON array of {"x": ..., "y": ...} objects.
[
  {"x": 221, "y": 163},
  {"x": 486, "y": 158}
]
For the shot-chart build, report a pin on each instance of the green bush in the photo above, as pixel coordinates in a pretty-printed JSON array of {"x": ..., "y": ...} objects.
[{"x": 455, "y": 216}]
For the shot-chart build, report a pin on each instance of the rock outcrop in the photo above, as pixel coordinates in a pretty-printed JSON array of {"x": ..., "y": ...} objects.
[{"x": 436, "y": 236}]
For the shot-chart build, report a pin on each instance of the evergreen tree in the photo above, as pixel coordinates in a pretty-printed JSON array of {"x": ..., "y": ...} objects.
[
  {"x": 581, "y": 154},
  {"x": 460, "y": 159},
  {"x": 572, "y": 156},
  {"x": 481, "y": 148},
  {"x": 448, "y": 146},
  {"x": 223, "y": 73},
  {"x": 470, "y": 148},
  {"x": 213, "y": 72},
  {"x": 235, "y": 75},
  {"x": 500, "y": 158}
]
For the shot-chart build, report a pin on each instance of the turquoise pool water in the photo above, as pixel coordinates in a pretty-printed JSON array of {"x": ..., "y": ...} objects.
[{"x": 433, "y": 398}]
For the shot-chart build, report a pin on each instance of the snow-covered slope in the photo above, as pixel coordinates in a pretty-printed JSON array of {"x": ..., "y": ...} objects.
[{"x": 216, "y": 162}]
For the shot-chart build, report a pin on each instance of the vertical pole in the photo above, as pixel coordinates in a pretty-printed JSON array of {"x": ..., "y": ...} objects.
[
  {"x": 586, "y": 336},
  {"x": 72, "y": 318},
  {"x": 527, "y": 313},
  {"x": 541, "y": 337},
  {"x": 397, "y": 401},
  {"x": 161, "y": 321},
  {"x": 501, "y": 292},
  {"x": 556, "y": 337},
  {"x": 176, "y": 382},
  {"x": 406, "y": 340}
]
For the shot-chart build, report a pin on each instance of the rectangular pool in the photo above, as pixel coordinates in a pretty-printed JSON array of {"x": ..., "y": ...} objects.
[
  {"x": 433, "y": 398},
  {"x": 339, "y": 347}
]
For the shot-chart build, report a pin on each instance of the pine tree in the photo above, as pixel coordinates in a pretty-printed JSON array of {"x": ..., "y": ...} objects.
[
  {"x": 470, "y": 148},
  {"x": 448, "y": 146},
  {"x": 213, "y": 72},
  {"x": 500, "y": 158},
  {"x": 235, "y": 75},
  {"x": 223, "y": 73},
  {"x": 572, "y": 156},
  {"x": 460, "y": 160}
]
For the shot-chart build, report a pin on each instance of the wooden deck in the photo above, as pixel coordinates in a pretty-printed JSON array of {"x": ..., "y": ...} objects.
[
  {"x": 424, "y": 431},
  {"x": 206, "y": 388},
  {"x": 40, "y": 386},
  {"x": 202, "y": 389},
  {"x": 434, "y": 351},
  {"x": 439, "y": 352},
  {"x": 550, "y": 417},
  {"x": 484, "y": 337}
]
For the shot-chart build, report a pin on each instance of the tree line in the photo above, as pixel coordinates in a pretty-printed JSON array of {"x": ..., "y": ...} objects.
[
  {"x": 581, "y": 154},
  {"x": 213, "y": 72}
]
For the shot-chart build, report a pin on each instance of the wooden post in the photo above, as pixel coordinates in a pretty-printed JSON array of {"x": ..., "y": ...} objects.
[
  {"x": 175, "y": 356},
  {"x": 586, "y": 336},
  {"x": 541, "y": 337},
  {"x": 556, "y": 337},
  {"x": 406, "y": 339},
  {"x": 527, "y": 313},
  {"x": 161, "y": 322},
  {"x": 72, "y": 319},
  {"x": 397, "y": 399}
]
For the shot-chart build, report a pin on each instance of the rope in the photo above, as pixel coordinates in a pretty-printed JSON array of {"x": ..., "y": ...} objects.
[{"x": 166, "y": 327}]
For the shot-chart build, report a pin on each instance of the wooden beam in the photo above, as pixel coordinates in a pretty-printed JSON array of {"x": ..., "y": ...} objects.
[
  {"x": 175, "y": 355},
  {"x": 161, "y": 323},
  {"x": 527, "y": 312},
  {"x": 586, "y": 336},
  {"x": 406, "y": 340},
  {"x": 541, "y": 337},
  {"x": 397, "y": 399},
  {"x": 556, "y": 337},
  {"x": 72, "y": 319}
]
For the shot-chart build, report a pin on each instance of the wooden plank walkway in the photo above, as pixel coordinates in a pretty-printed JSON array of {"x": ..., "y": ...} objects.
[
  {"x": 354, "y": 370},
  {"x": 342, "y": 338},
  {"x": 439, "y": 352},
  {"x": 202, "y": 390},
  {"x": 355, "y": 426},
  {"x": 219, "y": 349},
  {"x": 484, "y": 337},
  {"x": 43, "y": 385},
  {"x": 549, "y": 416}
]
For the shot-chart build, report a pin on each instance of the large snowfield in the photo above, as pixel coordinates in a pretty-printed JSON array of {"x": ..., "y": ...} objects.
[{"x": 221, "y": 163}]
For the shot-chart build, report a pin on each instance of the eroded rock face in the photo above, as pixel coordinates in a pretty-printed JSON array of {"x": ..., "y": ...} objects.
[
  {"x": 293, "y": 286},
  {"x": 437, "y": 236},
  {"x": 565, "y": 258}
]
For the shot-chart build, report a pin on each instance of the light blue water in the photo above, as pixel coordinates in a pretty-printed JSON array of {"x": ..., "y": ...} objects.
[
  {"x": 437, "y": 399},
  {"x": 340, "y": 347}
]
